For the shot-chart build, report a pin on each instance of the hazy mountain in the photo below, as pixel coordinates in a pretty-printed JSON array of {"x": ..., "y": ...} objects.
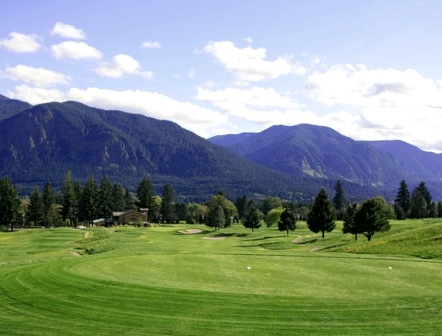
[
  {"x": 9, "y": 107},
  {"x": 322, "y": 152},
  {"x": 43, "y": 142}
]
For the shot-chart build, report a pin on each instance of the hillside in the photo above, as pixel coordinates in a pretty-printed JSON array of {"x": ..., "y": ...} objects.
[
  {"x": 43, "y": 142},
  {"x": 324, "y": 153}
]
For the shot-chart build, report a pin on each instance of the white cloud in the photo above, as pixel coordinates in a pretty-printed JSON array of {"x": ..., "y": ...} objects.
[
  {"x": 121, "y": 65},
  {"x": 249, "y": 64},
  {"x": 37, "y": 76},
  {"x": 193, "y": 117},
  {"x": 75, "y": 50},
  {"x": 68, "y": 31},
  {"x": 151, "y": 45},
  {"x": 384, "y": 103},
  {"x": 20, "y": 43}
]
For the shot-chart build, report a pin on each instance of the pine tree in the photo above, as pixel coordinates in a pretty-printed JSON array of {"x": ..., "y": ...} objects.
[
  {"x": 321, "y": 217},
  {"x": 372, "y": 217},
  {"x": 89, "y": 202},
  {"x": 402, "y": 201},
  {"x": 69, "y": 200},
  {"x": 106, "y": 198},
  {"x": 420, "y": 201},
  {"x": 35, "y": 211},
  {"x": 48, "y": 201},
  {"x": 252, "y": 219},
  {"x": 216, "y": 218},
  {"x": 145, "y": 194},
  {"x": 339, "y": 200},
  {"x": 287, "y": 221},
  {"x": 349, "y": 225},
  {"x": 119, "y": 198},
  {"x": 167, "y": 205},
  {"x": 9, "y": 204}
]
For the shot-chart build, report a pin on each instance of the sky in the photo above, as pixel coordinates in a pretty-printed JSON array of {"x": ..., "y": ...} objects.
[{"x": 370, "y": 69}]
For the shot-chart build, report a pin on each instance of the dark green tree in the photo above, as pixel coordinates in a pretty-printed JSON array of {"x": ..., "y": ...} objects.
[
  {"x": 216, "y": 219},
  {"x": 339, "y": 200},
  {"x": 349, "y": 220},
  {"x": 10, "y": 214},
  {"x": 439, "y": 209},
  {"x": 145, "y": 194},
  {"x": 35, "y": 211},
  {"x": 106, "y": 198},
  {"x": 420, "y": 201},
  {"x": 402, "y": 201},
  {"x": 321, "y": 216},
  {"x": 241, "y": 204},
  {"x": 119, "y": 197},
  {"x": 129, "y": 200},
  {"x": 228, "y": 207},
  {"x": 69, "y": 200},
  {"x": 287, "y": 221},
  {"x": 433, "y": 212},
  {"x": 372, "y": 217},
  {"x": 252, "y": 219},
  {"x": 48, "y": 202},
  {"x": 90, "y": 202},
  {"x": 167, "y": 205}
]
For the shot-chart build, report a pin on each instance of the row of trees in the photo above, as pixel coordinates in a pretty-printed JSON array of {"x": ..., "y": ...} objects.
[{"x": 83, "y": 204}]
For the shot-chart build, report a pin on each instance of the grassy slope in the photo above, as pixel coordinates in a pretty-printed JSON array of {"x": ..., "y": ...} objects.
[{"x": 157, "y": 281}]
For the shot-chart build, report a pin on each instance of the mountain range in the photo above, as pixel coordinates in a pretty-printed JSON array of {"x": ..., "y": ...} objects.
[{"x": 42, "y": 142}]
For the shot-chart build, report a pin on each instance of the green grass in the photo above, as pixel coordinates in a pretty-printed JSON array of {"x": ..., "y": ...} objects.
[{"x": 158, "y": 281}]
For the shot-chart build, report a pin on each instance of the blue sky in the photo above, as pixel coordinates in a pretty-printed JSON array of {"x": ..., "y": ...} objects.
[{"x": 369, "y": 69}]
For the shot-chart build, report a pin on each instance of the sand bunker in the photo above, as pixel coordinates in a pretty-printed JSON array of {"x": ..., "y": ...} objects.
[
  {"x": 191, "y": 231},
  {"x": 217, "y": 237}
]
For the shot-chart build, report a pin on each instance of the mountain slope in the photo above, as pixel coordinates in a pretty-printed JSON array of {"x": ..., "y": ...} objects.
[
  {"x": 42, "y": 142},
  {"x": 10, "y": 107},
  {"x": 320, "y": 152}
]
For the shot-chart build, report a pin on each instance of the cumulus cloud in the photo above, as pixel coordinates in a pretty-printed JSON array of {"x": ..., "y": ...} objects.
[
  {"x": 249, "y": 64},
  {"x": 68, "y": 31},
  {"x": 75, "y": 50},
  {"x": 260, "y": 105},
  {"x": 364, "y": 87},
  {"x": 36, "y": 76},
  {"x": 20, "y": 43},
  {"x": 121, "y": 65},
  {"x": 151, "y": 45},
  {"x": 191, "y": 116},
  {"x": 384, "y": 103}
]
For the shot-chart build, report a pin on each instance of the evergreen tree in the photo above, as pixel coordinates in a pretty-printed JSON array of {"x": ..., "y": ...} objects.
[
  {"x": 216, "y": 218},
  {"x": 228, "y": 207},
  {"x": 106, "y": 198},
  {"x": 321, "y": 217},
  {"x": 371, "y": 218},
  {"x": 420, "y": 201},
  {"x": 69, "y": 203},
  {"x": 439, "y": 209},
  {"x": 349, "y": 221},
  {"x": 119, "y": 198},
  {"x": 145, "y": 194},
  {"x": 287, "y": 221},
  {"x": 167, "y": 205},
  {"x": 48, "y": 201},
  {"x": 339, "y": 200},
  {"x": 129, "y": 201},
  {"x": 89, "y": 202},
  {"x": 402, "y": 201},
  {"x": 434, "y": 212},
  {"x": 241, "y": 204},
  {"x": 35, "y": 211},
  {"x": 9, "y": 204},
  {"x": 252, "y": 219}
]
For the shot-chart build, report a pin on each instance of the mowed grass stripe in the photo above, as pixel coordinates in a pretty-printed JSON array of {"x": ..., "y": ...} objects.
[{"x": 164, "y": 291}]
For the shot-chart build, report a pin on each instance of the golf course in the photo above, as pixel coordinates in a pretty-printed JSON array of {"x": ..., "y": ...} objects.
[{"x": 190, "y": 280}]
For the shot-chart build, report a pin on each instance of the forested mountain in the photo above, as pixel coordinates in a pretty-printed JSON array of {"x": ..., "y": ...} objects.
[
  {"x": 43, "y": 142},
  {"x": 322, "y": 152},
  {"x": 9, "y": 107}
]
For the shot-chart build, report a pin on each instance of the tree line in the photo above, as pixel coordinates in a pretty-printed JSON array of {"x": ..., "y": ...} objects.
[{"x": 75, "y": 204}]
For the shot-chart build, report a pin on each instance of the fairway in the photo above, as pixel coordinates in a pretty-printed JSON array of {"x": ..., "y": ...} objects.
[{"x": 159, "y": 281}]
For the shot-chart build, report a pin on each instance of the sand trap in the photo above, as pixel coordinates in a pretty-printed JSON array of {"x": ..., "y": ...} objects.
[
  {"x": 75, "y": 254},
  {"x": 297, "y": 240},
  {"x": 191, "y": 231}
]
